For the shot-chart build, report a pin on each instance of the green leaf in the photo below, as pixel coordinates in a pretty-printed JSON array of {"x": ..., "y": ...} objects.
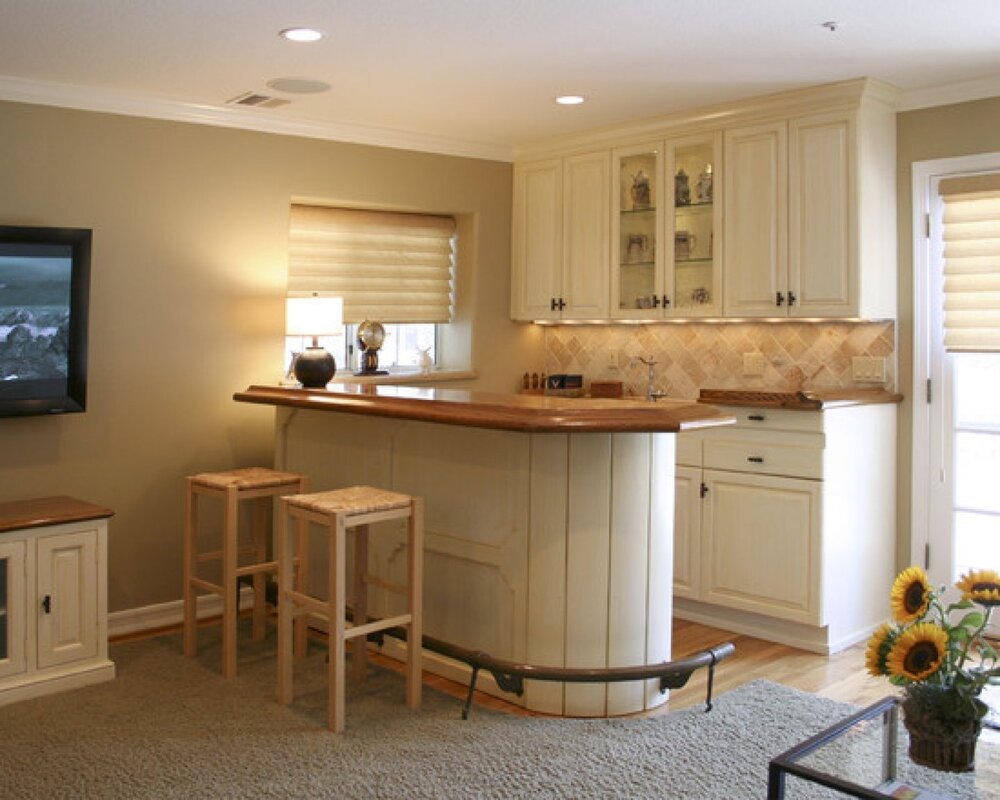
[{"x": 973, "y": 620}]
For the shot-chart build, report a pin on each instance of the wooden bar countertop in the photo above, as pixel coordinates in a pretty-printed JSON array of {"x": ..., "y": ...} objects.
[
  {"x": 805, "y": 400},
  {"x": 513, "y": 412},
  {"x": 44, "y": 511}
]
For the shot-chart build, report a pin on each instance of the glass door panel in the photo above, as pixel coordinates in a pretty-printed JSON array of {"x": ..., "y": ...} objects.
[
  {"x": 12, "y": 610},
  {"x": 693, "y": 276},
  {"x": 637, "y": 225}
]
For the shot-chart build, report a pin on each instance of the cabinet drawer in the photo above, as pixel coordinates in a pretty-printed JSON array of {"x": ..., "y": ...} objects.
[
  {"x": 798, "y": 460},
  {"x": 771, "y": 419},
  {"x": 689, "y": 449}
]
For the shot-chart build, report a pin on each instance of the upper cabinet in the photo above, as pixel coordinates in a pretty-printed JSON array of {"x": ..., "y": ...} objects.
[
  {"x": 783, "y": 206},
  {"x": 799, "y": 238},
  {"x": 560, "y": 238}
]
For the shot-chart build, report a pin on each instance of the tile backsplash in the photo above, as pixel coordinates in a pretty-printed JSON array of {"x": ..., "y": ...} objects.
[{"x": 691, "y": 356}]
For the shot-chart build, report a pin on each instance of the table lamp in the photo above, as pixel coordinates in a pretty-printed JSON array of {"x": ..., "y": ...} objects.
[{"x": 314, "y": 316}]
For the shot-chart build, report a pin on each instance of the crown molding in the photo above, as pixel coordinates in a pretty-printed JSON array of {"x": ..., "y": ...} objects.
[
  {"x": 117, "y": 102},
  {"x": 951, "y": 93}
]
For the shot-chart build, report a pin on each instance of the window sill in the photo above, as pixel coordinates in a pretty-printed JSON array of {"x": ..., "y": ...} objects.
[{"x": 402, "y": 377}]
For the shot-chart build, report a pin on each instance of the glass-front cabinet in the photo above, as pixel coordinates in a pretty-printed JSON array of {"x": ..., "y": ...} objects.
[
  {"x": 667, "y": 257},
  {"x": 637, "y": 229},
  {"x": 12, "y": 566},
  {"x": 694, "y": 278}
]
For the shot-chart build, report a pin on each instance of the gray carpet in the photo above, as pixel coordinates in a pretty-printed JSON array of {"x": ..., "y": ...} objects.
[{"x": 170, "y": 727}]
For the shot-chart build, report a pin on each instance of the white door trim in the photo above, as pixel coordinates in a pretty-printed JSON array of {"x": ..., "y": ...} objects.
[{"x": 923, "y": 482}]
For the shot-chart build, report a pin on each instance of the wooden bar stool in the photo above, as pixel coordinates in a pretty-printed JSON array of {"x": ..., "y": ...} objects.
[
  {"x": 252, "y": 483},
  {"x": 355, "y": 507}
]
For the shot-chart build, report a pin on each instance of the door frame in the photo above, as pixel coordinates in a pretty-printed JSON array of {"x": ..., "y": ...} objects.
[{"x": 928, "y": 413}]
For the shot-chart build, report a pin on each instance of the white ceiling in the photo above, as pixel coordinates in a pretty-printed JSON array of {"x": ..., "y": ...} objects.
[{"x": 478, "y": 77}]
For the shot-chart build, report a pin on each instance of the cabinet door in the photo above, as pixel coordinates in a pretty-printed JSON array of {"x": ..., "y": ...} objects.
[
  {"x": 693, "y": 283},
  {"x": 761, "y": 548},
  {"x": 67, "y": 597},
  {"x": 536, "y": 240},
  {"x": 12, "y": 610},
  {"x": 687, "y": 531},
  {"x": 586, "y": 227},
  {"x": 755, "y": 271},
  {"x": 637, "y": 262},
  {"x": 823, "y": 232}
]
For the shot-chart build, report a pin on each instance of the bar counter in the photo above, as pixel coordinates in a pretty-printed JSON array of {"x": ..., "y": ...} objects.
[{"x": 549, "y": 521}]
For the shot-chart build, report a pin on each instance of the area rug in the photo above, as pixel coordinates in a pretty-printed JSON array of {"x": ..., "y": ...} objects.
[{"x": 170, "y": 727}]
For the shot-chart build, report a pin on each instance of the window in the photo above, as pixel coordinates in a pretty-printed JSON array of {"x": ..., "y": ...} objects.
[{"x": 394, "y": 268}]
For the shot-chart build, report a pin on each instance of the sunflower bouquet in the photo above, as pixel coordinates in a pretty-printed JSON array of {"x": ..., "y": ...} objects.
[{"x": 938, "y": 653}]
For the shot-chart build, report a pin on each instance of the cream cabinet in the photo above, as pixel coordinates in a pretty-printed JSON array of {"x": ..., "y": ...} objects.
[
  {"x": 785, "y": 523},
  {"x": 53, "y": 608},
  {"x": 560, "y": 238},
  {"x": 803, "y": 202}
]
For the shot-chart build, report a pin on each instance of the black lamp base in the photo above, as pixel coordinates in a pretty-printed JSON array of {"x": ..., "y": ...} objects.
[{"x": 314, "y": 368}]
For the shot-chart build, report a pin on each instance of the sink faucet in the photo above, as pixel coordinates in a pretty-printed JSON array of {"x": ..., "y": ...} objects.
[{"x": 651, "y": 395}]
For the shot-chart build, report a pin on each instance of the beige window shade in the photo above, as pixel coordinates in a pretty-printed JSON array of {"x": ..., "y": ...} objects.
[
  {"x": 971, "y": 234},
  {"x": 388, "y": 267}
]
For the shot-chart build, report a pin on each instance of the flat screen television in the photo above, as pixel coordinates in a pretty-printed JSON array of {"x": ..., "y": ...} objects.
[{"x": 44, "y": 295}]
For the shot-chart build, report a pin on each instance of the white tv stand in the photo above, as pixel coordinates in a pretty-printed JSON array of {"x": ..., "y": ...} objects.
[{"x": 53, "y": 597}]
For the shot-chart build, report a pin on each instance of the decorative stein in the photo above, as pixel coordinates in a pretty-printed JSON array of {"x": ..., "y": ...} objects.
[
  {"x": 640, "y": 190},
  {"x": 682, "y": 190}
]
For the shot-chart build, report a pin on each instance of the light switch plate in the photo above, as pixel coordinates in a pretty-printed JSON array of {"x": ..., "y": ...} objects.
[
  {"x": 868, "y": 369},
  {"x": 753, "y": 365}
]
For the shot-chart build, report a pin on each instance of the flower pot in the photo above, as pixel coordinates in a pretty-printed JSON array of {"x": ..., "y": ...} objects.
[{"x": 940, "y": 740}]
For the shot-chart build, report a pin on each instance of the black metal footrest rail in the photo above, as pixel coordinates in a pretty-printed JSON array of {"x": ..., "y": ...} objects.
[{"x": 510, "y": 675}]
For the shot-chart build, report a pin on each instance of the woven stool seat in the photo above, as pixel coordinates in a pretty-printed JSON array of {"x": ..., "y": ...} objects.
[
  {"x": 352, "y": 500},
  {"x": 246, "y": 478},
  {"x": 355, "y": 508},
  {"x": 259, "y": 486}
]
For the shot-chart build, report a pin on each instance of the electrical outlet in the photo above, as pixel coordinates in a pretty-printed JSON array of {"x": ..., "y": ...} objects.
[
  {"x": 753, "y": 365},
  {"x": 868, "y": 369},
  {"x": 612, "y": 362}
]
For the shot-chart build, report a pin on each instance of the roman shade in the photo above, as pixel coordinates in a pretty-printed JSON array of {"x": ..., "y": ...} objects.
[
  {"x": 971, "y": 234},
  {"x": 387, "y": 266}
]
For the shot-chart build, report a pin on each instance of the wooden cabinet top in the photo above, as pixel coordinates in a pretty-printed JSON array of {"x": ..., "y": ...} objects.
[
  {"x": 42, "y": 511},
  {"x": 525, "y": 413},
  {"x": 812, "y": 400}
]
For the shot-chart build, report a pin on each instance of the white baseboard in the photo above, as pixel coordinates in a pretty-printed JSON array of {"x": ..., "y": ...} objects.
[{"x": 166, "y": 615}]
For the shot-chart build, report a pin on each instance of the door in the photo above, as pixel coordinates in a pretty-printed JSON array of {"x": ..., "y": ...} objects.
[
  {"x": 761, "y": 544},
  {"x": 67, "y": 597},
  {"x": 687, "y": 531},
  {"x": 755, "y": 271},
  {"x": 586, "y": 228},
  {"x": 956, "y": 508},
  {"x": 637, "y": 230},
  {"x": 12, "y": 616},
  {"x": 537, "y": 240}
]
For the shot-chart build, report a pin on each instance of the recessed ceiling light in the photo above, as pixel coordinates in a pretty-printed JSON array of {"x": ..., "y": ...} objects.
[
  {"x": 569, "y": 100},
  {"x": 298, "y": 85},
  {"x": 302, "y": 34}
]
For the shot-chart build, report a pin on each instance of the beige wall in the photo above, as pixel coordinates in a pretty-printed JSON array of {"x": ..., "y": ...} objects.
[
  {"x": 187, "y": 288},
  {"x": 944, "y": 132}
]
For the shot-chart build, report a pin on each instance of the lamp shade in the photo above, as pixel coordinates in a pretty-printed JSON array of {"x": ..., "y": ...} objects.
[{"x": 314, "y": 316}]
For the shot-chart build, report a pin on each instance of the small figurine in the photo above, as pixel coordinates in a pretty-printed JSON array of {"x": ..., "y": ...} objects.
[
  {"x": 427, "y": 361},
  {"x": 682, "y": 190},
  {"x": 640, "y": 190},
  {"x": 703, "y": 189}
]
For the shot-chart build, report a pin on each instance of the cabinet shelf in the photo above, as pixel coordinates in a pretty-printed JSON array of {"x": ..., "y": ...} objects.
[
  {"x": 638, "y": 263},
  {"x": 693, "y": 262},
  {"x": 693, "y": 208},
  {"x": 631, "y": 211}
]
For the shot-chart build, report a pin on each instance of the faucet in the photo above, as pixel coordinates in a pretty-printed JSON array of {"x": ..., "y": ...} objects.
[{"x": 651, "y": 395}]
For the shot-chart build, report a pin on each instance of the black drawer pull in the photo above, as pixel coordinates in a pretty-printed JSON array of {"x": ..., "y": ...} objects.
[
  {"x": 47, "y": 603},
  {"x": 755, "y": 459},
  {"x": 756, "y": 417}
]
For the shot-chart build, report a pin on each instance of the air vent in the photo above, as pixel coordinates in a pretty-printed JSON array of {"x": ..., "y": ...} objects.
[{"x": 257, "y": 100}]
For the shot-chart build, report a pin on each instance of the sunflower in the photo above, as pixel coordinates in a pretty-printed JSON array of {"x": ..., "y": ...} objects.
[
  {"x": 878, "y": 649},
  {"x": 911, "y": 594},
  {"x": 917, "y": 652},
  {"x": 982, "y": 586}
]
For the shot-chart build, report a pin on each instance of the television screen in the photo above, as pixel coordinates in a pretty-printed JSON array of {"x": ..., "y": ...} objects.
[{"x": 44, "y": 285}]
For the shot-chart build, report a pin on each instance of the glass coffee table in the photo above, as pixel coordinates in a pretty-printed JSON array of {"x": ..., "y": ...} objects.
[{"x": 865, "y": 755}]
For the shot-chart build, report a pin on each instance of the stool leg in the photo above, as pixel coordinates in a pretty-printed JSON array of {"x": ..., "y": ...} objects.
[
  {"x": 359, "y": 652},
  {"x": 190, "y": 556},
  {"x": 285, "y": 610},
  {"x": 230, "y": 597},
  {"x": 414, "y": 647},
  {"x": 259, "y": 578},
  {"x": 337, "y": 624},
  {"x": 302, "y": 584}
]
